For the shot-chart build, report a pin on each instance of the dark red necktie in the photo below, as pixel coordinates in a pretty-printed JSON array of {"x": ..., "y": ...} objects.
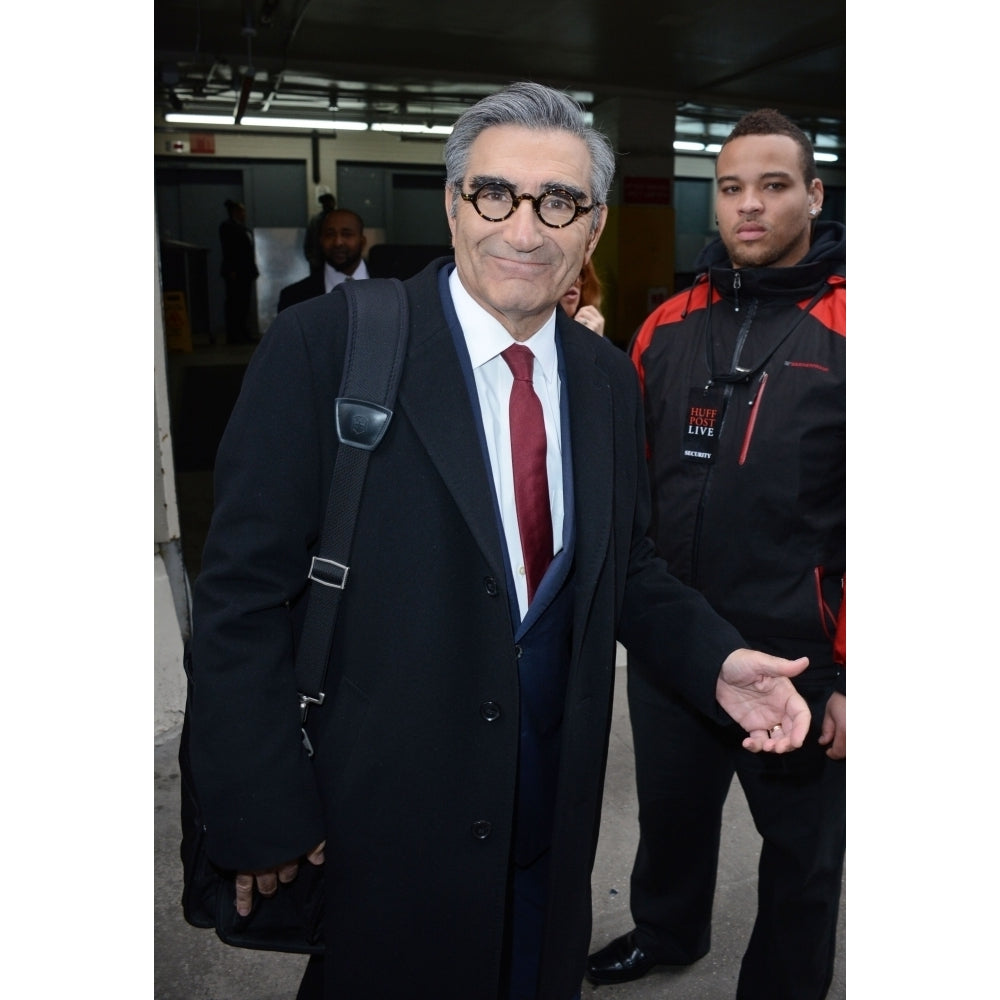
[{"x": 531, "y": 483}]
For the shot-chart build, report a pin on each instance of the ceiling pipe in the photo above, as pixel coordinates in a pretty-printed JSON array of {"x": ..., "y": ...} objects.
[
  {"x": 244, "y": 96},
  {"x": 248, "y": 31}
]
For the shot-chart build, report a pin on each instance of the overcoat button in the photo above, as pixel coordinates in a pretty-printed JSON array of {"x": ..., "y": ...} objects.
[
  {"x": 490, "y": 711},
  {"x": 491, "y": 586},
  {"x": 518, "y": 651},
  {"x": 481, "y": 829}
]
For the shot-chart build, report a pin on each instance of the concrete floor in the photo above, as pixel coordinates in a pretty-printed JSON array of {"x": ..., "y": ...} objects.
[{"x": 192, "y": 964}]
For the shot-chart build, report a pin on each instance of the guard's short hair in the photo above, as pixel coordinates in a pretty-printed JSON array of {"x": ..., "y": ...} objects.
[{"x": 770, "y": 121}]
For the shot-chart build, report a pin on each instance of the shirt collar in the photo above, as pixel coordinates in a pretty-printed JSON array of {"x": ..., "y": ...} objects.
[
  {"x": 333, "y": 277},
  {"x": 486, "y": 338}
]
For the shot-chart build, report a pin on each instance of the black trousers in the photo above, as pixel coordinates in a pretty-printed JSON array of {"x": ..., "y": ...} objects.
[
  {"x": 684, "y": 764},
  {"x": 239, "y": 294},
  {"x": 311, "y": 987}
]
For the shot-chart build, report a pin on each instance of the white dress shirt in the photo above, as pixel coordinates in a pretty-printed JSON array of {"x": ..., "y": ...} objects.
[
  {"x": 332, "y": 277},
  {"x": 485, "y": 339}
]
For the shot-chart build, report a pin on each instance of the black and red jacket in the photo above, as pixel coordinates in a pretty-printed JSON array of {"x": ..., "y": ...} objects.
[{"x": 743, "y": 379}]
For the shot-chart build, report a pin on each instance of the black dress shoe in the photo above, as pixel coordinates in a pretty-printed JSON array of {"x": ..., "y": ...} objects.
[{"x": 619, "y": 962}]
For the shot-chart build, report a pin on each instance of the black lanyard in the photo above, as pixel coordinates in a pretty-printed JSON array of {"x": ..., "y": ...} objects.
[{"x": 739, "y": 373}]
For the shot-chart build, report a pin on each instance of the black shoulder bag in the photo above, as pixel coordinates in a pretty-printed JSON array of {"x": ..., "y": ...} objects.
[{"x": 292, "y": 919}]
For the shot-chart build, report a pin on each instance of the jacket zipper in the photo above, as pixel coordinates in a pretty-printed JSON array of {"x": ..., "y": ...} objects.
[{"x": 741, "y": 339}]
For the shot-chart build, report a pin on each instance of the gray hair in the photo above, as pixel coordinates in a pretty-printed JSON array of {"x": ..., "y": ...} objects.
[{"x": 529, "y": 105}]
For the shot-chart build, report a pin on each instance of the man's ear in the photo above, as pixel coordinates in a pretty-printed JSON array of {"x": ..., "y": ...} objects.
[
  {"x": 595, "y": 233},
  {"x": 449, "y": 203},
  {"x": 815, "y": 197}
]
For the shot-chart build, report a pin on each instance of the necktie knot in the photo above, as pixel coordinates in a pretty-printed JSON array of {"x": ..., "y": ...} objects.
[{"x": 520, "y": 360}]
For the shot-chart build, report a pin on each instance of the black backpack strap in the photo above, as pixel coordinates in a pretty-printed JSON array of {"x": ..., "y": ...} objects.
[{"x": 378, "y": 323}]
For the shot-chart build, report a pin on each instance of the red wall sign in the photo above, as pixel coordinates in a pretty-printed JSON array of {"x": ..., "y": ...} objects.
[{"x": 202, "y": 142}]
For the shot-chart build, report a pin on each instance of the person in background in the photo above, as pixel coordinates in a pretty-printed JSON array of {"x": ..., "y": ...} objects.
[
  {"x": 238, "y": 270},
  {"x": 342, "y": 242},
  {"x": 583, "y": 300},
  {"x": 455, "y": 790},
  {"x": 311, "y": 245},
  {"x": 743, "y": 381}
]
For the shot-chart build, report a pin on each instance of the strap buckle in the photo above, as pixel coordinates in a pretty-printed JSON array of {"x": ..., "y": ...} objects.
[
  {"x": 305, "y": 700},
  {"x": 361, "y": 424},
  {"x": 328, "y": 572}
]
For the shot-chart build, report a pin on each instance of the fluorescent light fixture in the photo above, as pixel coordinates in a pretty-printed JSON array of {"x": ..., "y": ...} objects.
[
  {"x": 713, "y": 147},
  {"x": 312, "y": 123},
  {"x": 412, "y": 129},
  {"x": 688, "y": 147},
  {"x": 826, "y": 157},
  {"x": 179, "y": 119}
]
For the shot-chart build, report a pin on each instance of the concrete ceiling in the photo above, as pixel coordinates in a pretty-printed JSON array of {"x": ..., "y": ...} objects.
[{"x": 428, "y": 59}]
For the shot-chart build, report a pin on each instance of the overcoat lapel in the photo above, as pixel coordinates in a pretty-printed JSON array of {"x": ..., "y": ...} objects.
[{"x": 433, "y": 396}]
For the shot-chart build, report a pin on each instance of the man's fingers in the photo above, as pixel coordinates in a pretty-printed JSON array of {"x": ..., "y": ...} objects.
[
  {"x": 785, "y": 736},
  {"x": 827, "y": 731},
  {"x": 837, "y": 738},
  {"x": 770, "y": 741},
  {"x": 795, "y": 667},
  {"x": 287, "y": 873},
  {"x": 799, "y": 718},
  {"x": 244, "y": 893},
  {"x": 267, "y": 883}
]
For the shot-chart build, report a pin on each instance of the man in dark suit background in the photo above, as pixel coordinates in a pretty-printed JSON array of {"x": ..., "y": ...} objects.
[
  {"x": 310, "y": 246},
  {"x": 238, "y": 270},
  {"x": 342, "y": 242},
  {"x": 455, "y": 792}
]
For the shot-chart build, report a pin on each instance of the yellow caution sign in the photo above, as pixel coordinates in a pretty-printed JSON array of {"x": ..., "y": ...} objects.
[{"x": 176, "y": 322}]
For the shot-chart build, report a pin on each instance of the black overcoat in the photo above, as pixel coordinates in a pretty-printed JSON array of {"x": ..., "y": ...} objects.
[{"x": 408, "y": 766}]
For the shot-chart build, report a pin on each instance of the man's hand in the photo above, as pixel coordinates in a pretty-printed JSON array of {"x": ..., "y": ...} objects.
[
  {"x": 755, "y": 690},
  {"x": 268, "y": 878},
  {"x": 834, "y": 729}
]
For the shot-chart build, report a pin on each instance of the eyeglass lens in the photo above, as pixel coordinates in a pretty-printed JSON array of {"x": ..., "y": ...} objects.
[{"x": 496, "y": 202}]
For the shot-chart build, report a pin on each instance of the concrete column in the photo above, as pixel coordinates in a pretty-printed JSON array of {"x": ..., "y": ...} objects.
[
  {"x": 635, "y": 257},
  {"x": 170, "y": 601}
]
